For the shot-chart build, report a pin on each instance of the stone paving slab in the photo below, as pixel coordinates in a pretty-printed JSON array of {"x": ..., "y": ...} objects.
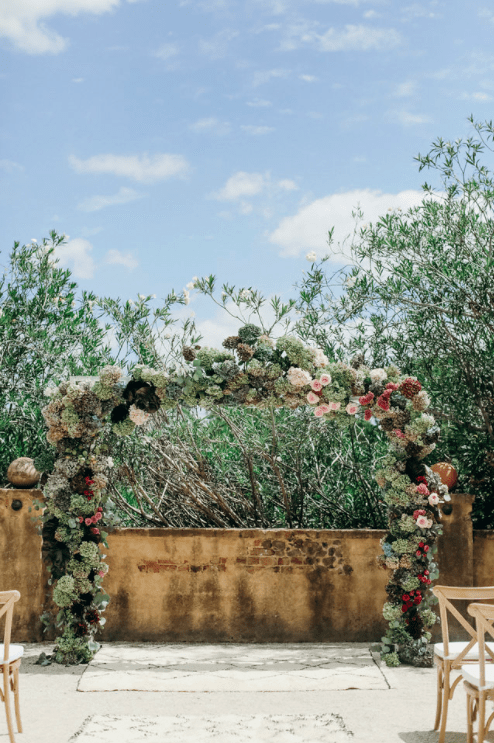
[
  {"x": 324, "y": 728},
  {"x": 233, "y": 668}
]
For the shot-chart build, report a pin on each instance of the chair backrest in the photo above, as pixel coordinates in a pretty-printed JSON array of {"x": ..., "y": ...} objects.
[
  {"x": 484, "y": 617},
  {"x": 446, "y": 594},
  {"x": 8, "y": 599}
]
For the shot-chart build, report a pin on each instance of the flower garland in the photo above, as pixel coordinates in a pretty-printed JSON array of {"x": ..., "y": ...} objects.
[{"x": 252, "y": 369}]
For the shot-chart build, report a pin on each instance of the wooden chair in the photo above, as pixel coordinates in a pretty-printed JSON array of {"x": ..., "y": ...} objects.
[
  {"x": 10, "y": 661},
  {"x": 452, "y": 656},
  {"x": 479, "y": 678}
]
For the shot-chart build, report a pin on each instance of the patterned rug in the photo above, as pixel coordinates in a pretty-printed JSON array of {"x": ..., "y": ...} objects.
[
  {"x": 325, "y": 728},
  {"x": 232, "y": 668}
]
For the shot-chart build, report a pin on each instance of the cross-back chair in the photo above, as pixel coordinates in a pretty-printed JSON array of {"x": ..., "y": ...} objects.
[
  {"x": 479, "y": 678},
  {"x": 10, "y": 661},
  {"x": 453, "y": 656}
]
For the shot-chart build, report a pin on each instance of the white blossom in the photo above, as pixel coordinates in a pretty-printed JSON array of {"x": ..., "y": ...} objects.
[
  {"x": 378, "y": 375},
  {"x": 351, "y": 280},
  {"x": 312, "y": 256},
  {"x": 190, "y": 285}
]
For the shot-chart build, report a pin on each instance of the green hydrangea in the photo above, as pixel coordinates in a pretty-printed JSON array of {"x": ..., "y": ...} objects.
[
  {"x": 393, "y": 373},
  {"x": 393, "y": 497},
  {"x": 411, "y": 583},
  {"x": 78, "y": 569},
  {"x": 90, "y": 553},
  {"x": 80, "y": 505},
  {"x": 103, "y": 391},
  {"x": 82, "y": 584},
  {"x": 391, "y": 659},
  {"x": 423, "y": 423},
  {"x": 208, "y": 356},
  {"x": 407, "y": 524},
  {"x": 297, "y": 353},
  {"x": 391, "y": 612},
  {"x": 249, "y": 333},
  {"x": 403, "y": 547},
  {"x": 124, "y": 428},
  {"x": 263, "y": 353},
  {"x": 64, "y": 593},
  {"x": 429, "y": 617},
  {"x": 214, "y": 391},
  {"x": 71, "y": 650},
  {"x": 69, "y": 415}
]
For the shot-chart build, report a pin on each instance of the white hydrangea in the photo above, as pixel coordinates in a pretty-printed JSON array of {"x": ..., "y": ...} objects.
[
  {"x": 320, "y": 358},
  {"x": 298, "y": 377},
  {"x": 378, "y": 375},
  {"x": 138, "y": 416}
]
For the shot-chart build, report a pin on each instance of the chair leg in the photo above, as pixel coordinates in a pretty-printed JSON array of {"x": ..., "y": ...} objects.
[
  {"x": 469, "y": 718},
  {"x": 16, "y": 700},
  {"x": 6, "y": 694},
  {"x": 481, "y": 724},
  {"x": 440, "y": 686},
  {"x": 444, "y": 717}
]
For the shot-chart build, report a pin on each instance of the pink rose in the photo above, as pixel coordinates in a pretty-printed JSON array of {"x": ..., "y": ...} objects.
[
  {"x": 325, "y": 379},
  {"x": 422, "y": 489},
  {"x": 101, "y": 573},
  {"x": 312, "y": 398},
  {"x": 316, "y": 385},
  {"x": 98, "y": 516},
  {"x": 318, "y": 412},
  {"x": 88, "y": 521},
  {"x": 399, "y": 433},
  {"x": 351, "y": 408},
  {"x": 423, "y": 522},
  {"x": 334, "y": 406},
  {"x": 433, "y": 499},
  {"x": 391, "y": 386}
]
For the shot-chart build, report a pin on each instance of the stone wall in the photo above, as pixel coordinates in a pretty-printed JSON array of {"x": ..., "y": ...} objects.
[{"x": 233, "y": 585}]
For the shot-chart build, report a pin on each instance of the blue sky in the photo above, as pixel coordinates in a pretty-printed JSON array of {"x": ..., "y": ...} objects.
[{"x": 182, "y": 138}]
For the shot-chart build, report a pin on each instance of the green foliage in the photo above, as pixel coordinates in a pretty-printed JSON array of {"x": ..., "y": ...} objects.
[
  {"x": 46, "y": 335},
  {"x": 421, "y": 295}
]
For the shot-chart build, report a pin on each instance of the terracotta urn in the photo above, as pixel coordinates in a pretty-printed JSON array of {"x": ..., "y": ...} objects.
[
  {"x": 22, "y": 473},
  {"x": 447, "y": 473}
]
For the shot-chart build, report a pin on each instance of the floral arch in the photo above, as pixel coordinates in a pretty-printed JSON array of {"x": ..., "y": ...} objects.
[{"x": 84, "y": 415}]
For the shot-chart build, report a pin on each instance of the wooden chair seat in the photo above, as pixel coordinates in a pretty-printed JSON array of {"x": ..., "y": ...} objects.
[
  {"x": 15, "y": 652},
  {"x": 471, "y": 673},
  {"x": 456, "y": 648},
  {"x": 479, "y": 677}
]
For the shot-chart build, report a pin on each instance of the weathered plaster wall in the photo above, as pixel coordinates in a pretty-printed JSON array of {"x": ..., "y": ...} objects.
[{"x": 244, "y": 585}]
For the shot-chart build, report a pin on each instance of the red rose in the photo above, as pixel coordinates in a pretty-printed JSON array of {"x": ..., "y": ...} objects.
[
  {"x": 418, "y": 553},
  {"x": 421, "y": 544},
  {"x": 368, "y": 415},
  {"x": 426, "y": 548},
  {"x": 405, "y": 597}
]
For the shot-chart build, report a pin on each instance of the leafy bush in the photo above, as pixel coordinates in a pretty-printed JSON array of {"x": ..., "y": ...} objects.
[{"x": 421, "y": 295}]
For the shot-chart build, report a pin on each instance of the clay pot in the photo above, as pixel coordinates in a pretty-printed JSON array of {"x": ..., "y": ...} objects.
[
  {"x": 447, "y": 473},
  {"x": 22, "y": 473}
]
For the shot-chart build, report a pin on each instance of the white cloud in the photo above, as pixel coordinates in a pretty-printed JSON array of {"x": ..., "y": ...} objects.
[
  {"x": 418, "y": 11},
  {"x": 408, "y": 119},
  {"x": 308, "y": 229},
  {"x": 9, "y": 166},
  {"x": 143, "y": 168},
  {"x": 77, "y": 79},
  {"x": 259, "y": 103},
  {"x": 352, "y": 38},
  {"x": 241, "y": 184},
  {"x": 127, "y": 260},
  {"x": 76, "y": 255},
  {"x": 308, "y": 78},
  {"x": 287, "y": 185},
  {"x": 257, "y": 131},
  {"x": 404, "y": 90},
  {"x": 123, "y": 196},
  {"x": 264, "y": 76},
  {"x": 167, "y": 51},
  {"x": 211, "y": 125},
  {"x": 217, "y": 46},
  {"x": 477, "y": 96},
  {"x": 21, "y": 21}
]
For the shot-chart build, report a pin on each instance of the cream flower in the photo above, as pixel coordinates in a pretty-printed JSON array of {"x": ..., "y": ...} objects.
[
  {"x": 137, "y": 415},
  {"x": 312, "y": 256},
  {"x": 298, "y": 377},
  {"x": 378, "y": 375}
]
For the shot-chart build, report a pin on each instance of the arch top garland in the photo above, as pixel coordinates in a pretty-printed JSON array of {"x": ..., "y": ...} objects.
[{"x": 83, "y": 417}]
